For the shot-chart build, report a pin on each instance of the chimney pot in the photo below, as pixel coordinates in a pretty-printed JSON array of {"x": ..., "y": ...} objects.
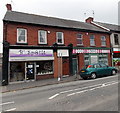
[
  {"x": 89, "y": 20},
  {"x": 9, "y": 7}
]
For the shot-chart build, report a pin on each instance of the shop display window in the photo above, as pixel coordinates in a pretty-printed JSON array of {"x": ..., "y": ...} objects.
[
  {"x": 44, "y": 67},
  {"x": 103, "y": 58},
  {"x": 17, "y": 71}
]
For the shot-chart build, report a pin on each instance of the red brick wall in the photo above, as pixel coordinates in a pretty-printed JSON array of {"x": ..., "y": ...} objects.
[{"x": 69, "y": 35}]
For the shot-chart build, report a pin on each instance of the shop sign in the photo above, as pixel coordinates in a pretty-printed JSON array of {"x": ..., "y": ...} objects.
[
  {"x": 116, "y": 50},
  {"x": 62, "y": 52},
  {"x": 30, "y": 54},
  {"x": 90, "y": 51}
]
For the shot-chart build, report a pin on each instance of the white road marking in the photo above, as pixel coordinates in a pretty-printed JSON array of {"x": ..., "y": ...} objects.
[
  {"x": 85, "y": 87},
  {"x": 54, "y": 96},
  {"x": 12, "y": 109},
  {"x": 95, "y": 87},
  {"x": 7, "y": 103},
  {"x": 103, "y": 85}
]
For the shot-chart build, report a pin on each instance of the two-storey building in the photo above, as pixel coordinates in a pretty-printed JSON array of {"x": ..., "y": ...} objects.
[
  {"x": 38, "y": 47},
  {"x": 114, "y": 37}
]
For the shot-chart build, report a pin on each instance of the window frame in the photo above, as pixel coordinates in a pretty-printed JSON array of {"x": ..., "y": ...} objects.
[
  {"x": 80, "y": 38},
  {"x": 62, "y": 37},
  {"x": 117, "y": 39},
  {"x": 45, "y": 37},
  {"x": 92, "y": 40},
  {"x": 18, "y": 35},
  {"x": 103, "y": 41}
]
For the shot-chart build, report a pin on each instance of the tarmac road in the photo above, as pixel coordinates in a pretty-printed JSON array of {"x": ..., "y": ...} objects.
[{"x": 84, "y": 95}]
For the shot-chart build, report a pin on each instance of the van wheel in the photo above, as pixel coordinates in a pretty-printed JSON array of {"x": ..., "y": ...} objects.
[
  {"x": 113, "y": 72},
  {"x": 93, "y": 75}
]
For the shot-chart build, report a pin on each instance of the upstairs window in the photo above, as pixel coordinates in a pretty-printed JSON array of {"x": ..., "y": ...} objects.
[
  {"x": 42, "y": 37},
  {"x": 79, "y": 39},
  {"x": 103, "y": 41},
  {"x": 116, "y": 39},
  {"x": 21, "y": 35},
  {"x": 60, "y": 38},
  {"x": 92, "y": 40}
]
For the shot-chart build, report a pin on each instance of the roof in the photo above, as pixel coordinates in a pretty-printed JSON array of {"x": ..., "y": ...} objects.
[
  {"x": 14, "y": 16},
  {"x": 112, "y": 27}
]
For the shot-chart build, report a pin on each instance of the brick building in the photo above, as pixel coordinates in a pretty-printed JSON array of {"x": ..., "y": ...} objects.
[
  {"x": 38, "y": 47},
  {"x": 114, "y": 37}
]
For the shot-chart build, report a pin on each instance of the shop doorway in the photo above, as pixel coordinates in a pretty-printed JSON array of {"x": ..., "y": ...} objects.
[
  {"x": 65, "y": 67},
  {"x": 30, "y": 71},
  {"x": 74, "y": 66}
]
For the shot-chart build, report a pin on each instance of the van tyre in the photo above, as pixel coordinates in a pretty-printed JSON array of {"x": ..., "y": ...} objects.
[{"x": 93, "y": 76}]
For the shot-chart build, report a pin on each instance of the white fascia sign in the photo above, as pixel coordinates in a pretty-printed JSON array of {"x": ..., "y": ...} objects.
[
  {"x": 62, "y": 53},
  {"x": 30, "y": 54}
]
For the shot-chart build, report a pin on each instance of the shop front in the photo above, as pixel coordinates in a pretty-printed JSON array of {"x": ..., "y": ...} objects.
[
  {"x": 30, "y": 64},
  {"x": 63, "y": 62},
  {"x": 90, "y": 56},
  {"x": 116, "y": 58}
]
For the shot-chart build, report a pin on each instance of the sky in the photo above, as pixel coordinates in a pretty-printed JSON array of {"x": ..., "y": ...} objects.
[{"x": 102, "y": 10}]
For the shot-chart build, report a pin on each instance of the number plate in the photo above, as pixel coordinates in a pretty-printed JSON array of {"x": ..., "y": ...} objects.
[{"x": 82, "y": 71}]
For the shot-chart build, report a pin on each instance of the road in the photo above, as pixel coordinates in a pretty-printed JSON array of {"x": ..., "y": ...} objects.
[{"x": 100, "y": 94}]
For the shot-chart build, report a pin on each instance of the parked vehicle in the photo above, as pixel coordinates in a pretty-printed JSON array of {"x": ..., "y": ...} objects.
[{"x": 97, "y": 70}]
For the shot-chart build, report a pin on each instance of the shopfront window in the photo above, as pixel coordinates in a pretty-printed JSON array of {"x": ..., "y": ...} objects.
[
  {"x": 103, "y": 58},
  {"x": 95, "y": 58},
  {"x": 44, "y": 67},
  {"x": 17, "y": 71}
]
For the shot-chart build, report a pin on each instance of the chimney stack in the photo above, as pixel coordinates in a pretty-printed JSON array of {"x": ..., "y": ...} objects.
[
  {"x": 89, "y": 20},
  {"x": 9, "y": 7}
]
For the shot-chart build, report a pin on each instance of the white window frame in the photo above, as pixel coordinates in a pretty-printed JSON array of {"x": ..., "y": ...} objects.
[
  {"x": 18, "y": 35},
  {"x": 79, "y": 38},
  {"x": 93, "y": 40},
  {"x": 103, "y": 41},
  {"x": 45, "y": 38},
  {"x": 57, "y": 38}
]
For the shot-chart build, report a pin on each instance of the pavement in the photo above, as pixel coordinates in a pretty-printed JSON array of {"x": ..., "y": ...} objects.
[{"x": 38, "y": 83}]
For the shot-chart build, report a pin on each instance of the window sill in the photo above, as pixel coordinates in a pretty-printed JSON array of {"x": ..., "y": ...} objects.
[
  {"x": 43, "y": 44},
  {"x": 61, "y": 44},
  {"x": 103, "y": 46},
  {"x": 92, "y": 45},
  {"x": 80, "y": 45},
  {"x": 21, "y": 43}
]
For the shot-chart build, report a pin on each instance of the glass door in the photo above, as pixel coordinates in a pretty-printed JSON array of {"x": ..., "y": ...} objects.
[{"x": 30, "y": 71}]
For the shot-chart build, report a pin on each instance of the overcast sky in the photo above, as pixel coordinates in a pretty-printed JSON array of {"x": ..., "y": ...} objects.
[{"x": 104, "y": 10}]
